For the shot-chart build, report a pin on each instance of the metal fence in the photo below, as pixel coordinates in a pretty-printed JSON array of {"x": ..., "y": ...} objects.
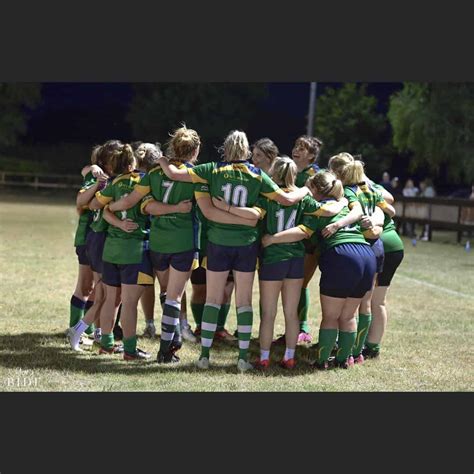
[{"x": 40, "y": 180}]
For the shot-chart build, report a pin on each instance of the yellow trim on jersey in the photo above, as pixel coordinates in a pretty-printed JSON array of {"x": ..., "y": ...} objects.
[
  {"x": 382, "y": 204},
  {"x": 144, "y": 203},
  {"x": 195, "y": 178},
  {"x": 272, "y": 195},
  {"x": 144, "y": 279},
  {"x": 261, "y": 211},
  {"x": 204, "y": 262},
  {"x": 156, "y": 168},
  {"x": 102, "y": 199},
  {"x": 200, "y": 194},
  {"x": 352, "y": 204},
  {"x": 143, "y": 190},
  {"x": 237, "y": 167},
  {"x": 309, "y": 232},
  {"x": 132, "y": 176}
]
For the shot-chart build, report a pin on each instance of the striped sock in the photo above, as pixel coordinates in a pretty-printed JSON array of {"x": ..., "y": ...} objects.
[
  {"x": 169, "y": 321},
  {"x": 208, "y": 327},
  {"x": 244, "y": 326},
  {"x": 162, "y": 299}
]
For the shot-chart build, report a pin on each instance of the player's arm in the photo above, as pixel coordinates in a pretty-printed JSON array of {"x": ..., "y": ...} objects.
[
  {"x": 126, "y": 202},
  {"x": 332, "y": 208},
  {"x": 84, "y": 196},
  {"x": 244, "y": 212},
  {"x": 354, "y": 215},
  {"x": 96, "y": 171},
  {"x": 127, "y": 225},
  {"x": 295, "y": 234},
  {"x": 156, "y": 208},
  {"x": 386, "y": 208},
  {"x": 174, "y": 173},
  {"x": 372, "y": 226},
  {"x": 293, "y": 197},
  {"x": 217, "y": 215}
]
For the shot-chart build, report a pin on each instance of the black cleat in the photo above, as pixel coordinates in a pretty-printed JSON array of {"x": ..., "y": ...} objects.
[
  {"x": 167, "y": 358},
  {"x": 370, "y": 353}
]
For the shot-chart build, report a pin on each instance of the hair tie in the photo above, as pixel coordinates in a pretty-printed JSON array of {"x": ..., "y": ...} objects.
[{"x": 333, "y": 184}]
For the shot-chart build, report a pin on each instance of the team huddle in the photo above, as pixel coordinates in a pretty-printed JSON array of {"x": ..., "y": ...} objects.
[{"x": 144, "y": 215}]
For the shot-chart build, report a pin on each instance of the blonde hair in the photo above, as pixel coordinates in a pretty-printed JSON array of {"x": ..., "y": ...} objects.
[
  {"x": 147, "y": 155},
  {"x": 347, "y": 169},
  {"x": 235, "y": 147},
  {"x": 183, "y": 143},
  {"x": 284, "y": 171},
  {"x": 327, "y": 184}
]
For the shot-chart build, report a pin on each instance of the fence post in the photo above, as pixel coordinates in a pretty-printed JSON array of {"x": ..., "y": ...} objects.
[{"x": 35, "y": 181}]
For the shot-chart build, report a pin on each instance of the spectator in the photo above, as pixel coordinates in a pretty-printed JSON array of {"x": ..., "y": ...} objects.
[
  {"x": 396, "y": 191},
  {"x": 428, "y": 191},
  {"x": 410, "y": 190},
  {"x": 386, "y": 183}
]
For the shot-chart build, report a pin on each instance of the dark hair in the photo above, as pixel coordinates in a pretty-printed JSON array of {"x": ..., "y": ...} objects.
[
  {"x": 312, "y": 144},
  {"x": 267, "y": 147},
  {"x": 122, "y": 159}
]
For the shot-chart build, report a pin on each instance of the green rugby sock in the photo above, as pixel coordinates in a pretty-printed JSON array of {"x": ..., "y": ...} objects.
[
  {"x": 244, "y": 326},
  {"x": 76, "y": 310},
  {"x": 107, "y": 341},
  {"x": 303, "y": 308},
  {"x": 197, "y": 309},
  {"x": 346, "y": 343},
  {"x": 362, "y": 330},
  {"x": 208, "y": 327},
  {"x": 373, "y": 346},
  {"x": 222, "y": 318},
  {"x": 130, "y": 345},
  {"x": 327, "y": 339},
  {"x": 91, "y": 328}
]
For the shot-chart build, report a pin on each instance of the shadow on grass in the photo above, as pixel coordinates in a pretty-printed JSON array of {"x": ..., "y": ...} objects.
[{"x": 30, "y": 351}]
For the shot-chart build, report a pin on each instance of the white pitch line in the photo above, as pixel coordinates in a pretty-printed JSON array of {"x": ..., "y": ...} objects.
[{"x": 431, "y": 285}]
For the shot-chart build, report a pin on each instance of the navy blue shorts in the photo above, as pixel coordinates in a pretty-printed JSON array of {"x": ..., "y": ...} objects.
[
  {"x": 129, "y": 274},
  {"x": 221, "y": 258},
  {"x": 379, "y": 252},
  {"x": 81, "y": 253},
  {"x": 95, "y": 248},
  {"x": 198, "y": 276},
  {"x": 278, "y": 271},
  {"x": 347, "y": 270},
  {"x": 182, "y": 261}
]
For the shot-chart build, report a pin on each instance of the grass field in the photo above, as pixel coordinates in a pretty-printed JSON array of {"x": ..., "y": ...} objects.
[{"x": 427, "y": 347}]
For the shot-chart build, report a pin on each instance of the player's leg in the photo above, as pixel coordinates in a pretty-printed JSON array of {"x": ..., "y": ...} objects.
[
  {"x": 269, "y": 293},
  {"x": 147, "y": 302},
  {"x": 82, "y": 292},
  {"x": 222, "y": 333},
  {"x": 310, "y": 265},
  {"x": 290, "y": 294},
  {"x": 108, "y": 314},
  {"x": 347, "y": 332},
  {"x": 131, "y": 294}
]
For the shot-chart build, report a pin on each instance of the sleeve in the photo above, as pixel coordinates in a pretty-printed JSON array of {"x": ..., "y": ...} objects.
[
  {"x": 147, "y": 199},
  {"x": 88, "y": 182},
  {"x": 106, "y": 195},
  {"x": 201, "y": 173},
  {"x": 143, "y": 187},
  {"x": 269, "y": 189},
  {"x": 313, "y": 207},
  {"x": 351, "y": 196},
  {"x": 310, "y": 225},
  {"x": 201, "y": 190},
  {"x": 261, "y": 206}
]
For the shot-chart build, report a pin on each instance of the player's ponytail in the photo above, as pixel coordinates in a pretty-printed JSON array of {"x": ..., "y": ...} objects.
[
  {"x": 235, "y": 147},
  {"x": 183, "y": 143},
  {"x": 347, "y": 169},
  {"x": 284, "y": 172},
  {"x": 147, "y": 155},
  {"x": 326, "y": 184},
  {"x": 122, "y": 159}
]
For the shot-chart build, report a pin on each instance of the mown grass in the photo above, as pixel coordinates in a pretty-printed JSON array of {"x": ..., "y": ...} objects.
[{"x": 427, "y": 346}]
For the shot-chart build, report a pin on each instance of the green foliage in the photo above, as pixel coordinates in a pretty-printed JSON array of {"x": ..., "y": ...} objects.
[
  {"x": 212, "y": 109},
  {"x": 14, "y": 100},
  {"x": 436, "y": 123},
  {"x": 347, "y": 120}
]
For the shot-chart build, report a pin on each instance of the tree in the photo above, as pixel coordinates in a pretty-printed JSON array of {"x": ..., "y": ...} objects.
[
  {"x": 15, "y": 99},
  {"x": 435, "y": 121},
  {"x": 347, "y": 120},
  {"x": 212, "y": 109}
]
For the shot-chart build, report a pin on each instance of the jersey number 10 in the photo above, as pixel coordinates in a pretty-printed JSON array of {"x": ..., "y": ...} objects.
[{"x": 237, "y": 197}]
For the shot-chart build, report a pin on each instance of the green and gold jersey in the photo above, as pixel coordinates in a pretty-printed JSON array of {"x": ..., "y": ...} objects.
[
  {"x": 313, "y": 225},
  {"x": 279, "y": 218},
  {"x": 170, "y": 233},
  {"x": 201, "y": 190},
  {"x": 85, "y": 219},
  {"x": 122, "y": 247},
  {"x": 240, "y": 183},
  {"x": 99, "y": 224},
  {"x": 304, "y": 175},
  {"x": 390, "y": 238}
]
